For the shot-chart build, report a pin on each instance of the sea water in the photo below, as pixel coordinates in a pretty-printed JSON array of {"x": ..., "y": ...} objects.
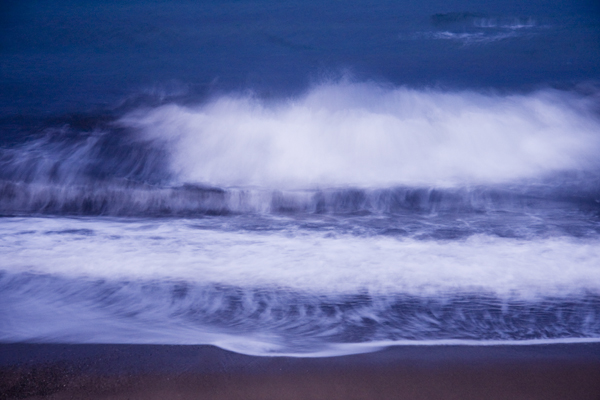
[{"x": 300, "y": 178}]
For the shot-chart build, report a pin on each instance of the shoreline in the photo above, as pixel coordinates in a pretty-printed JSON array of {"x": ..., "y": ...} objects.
[{"x": 117, "y": 371}]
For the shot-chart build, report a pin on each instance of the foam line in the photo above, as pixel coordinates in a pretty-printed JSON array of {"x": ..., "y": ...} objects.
[{"x": 319, "y": 261}]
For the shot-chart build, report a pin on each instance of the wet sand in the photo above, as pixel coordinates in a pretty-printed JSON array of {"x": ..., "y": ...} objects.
[{"x": 62, "y": 371}]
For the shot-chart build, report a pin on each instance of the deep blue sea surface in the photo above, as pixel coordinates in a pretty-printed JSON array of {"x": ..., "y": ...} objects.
[{"x": 300, "y": 177}]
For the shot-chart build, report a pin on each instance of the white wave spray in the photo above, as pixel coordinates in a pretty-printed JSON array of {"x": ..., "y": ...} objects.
[{"x": 365, "y": 135}]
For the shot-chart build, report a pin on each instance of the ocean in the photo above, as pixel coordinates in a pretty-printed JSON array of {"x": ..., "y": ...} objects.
[{"x": 300, "y": 178}]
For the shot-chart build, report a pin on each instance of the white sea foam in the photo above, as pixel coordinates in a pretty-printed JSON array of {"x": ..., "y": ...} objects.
[
  {"x": 472, "y": 38},
  {"x": 366, "y": 135},
  {"x": 299, "y": 260}
]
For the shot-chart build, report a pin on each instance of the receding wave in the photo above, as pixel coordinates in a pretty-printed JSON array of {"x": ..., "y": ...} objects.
[
  {"x": 275, "y": 321},
  {"x": 298, "y": 286}
]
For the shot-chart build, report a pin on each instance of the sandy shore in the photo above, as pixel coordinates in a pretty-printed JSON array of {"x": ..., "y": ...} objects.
[{"x": 57, "y": 371}]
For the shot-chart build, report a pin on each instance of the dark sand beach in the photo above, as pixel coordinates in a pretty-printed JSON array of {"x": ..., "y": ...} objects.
[{"x": 57, "y": 371}]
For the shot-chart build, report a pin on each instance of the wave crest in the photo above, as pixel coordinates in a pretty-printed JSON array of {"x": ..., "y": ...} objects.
[{"x": 364, "y": 135}]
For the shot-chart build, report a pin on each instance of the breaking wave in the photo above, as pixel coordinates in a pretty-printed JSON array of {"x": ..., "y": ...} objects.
[
  {"x": 340, "y": 148},
  {"x": 364, "y": 135}
]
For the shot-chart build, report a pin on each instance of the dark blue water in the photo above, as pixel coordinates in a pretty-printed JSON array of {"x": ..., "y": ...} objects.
[
  {"x": 79, "y": 56},
  {"x": 299, "y": 177}
]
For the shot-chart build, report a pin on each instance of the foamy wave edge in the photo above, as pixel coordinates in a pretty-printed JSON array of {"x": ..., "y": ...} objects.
[{"x": 346, "y": 349}]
